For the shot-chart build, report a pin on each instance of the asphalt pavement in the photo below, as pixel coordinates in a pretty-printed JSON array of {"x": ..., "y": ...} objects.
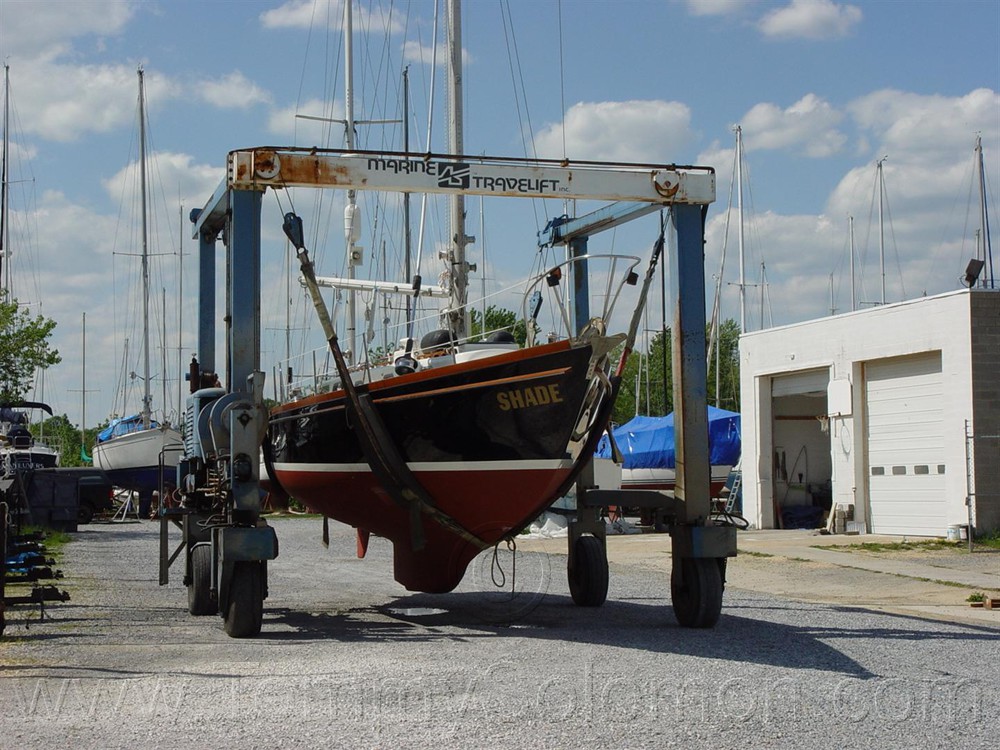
[{"x": 807, "y": 653}]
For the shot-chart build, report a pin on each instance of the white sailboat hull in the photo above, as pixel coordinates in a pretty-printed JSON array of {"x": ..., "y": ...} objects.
[{"x": 134, "y": 461}]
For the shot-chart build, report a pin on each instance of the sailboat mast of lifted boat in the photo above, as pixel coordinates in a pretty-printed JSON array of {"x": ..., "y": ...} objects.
[
  {"x": 352, "y": 224},
  {"x": 146, "y": 398},
  {"x": 458, "y": 268}
]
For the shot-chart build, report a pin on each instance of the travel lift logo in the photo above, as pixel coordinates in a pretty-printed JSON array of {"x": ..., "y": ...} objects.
[{"x": 454, "y": 176}]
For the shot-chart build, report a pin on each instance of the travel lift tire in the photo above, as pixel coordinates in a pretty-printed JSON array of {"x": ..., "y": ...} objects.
[
  {"x": 696, "y": 585},
  {"x": 200, "y": 599},
  {"x": 588, "y": 576},
  {"x": 245, "y": 609}
]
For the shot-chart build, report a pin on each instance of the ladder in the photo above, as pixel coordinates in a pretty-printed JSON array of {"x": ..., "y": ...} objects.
[{"x": 734, "y": 489}]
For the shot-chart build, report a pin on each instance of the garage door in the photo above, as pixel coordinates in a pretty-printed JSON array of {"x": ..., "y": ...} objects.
[
  {"x": 906, "y": 469},
  {"x": 803, "y": 383}
]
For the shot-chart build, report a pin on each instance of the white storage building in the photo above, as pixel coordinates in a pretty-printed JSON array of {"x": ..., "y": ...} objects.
[{"x": 892, "y": 412}]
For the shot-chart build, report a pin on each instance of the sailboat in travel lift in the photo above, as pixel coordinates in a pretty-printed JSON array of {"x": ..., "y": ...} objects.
[
  {"x": 453, "y": 445},
  {"x": 136, "y": 452}
]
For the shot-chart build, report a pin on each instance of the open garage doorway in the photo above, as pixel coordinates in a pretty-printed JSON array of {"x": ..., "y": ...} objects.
[{"x": 800, "y": 449}]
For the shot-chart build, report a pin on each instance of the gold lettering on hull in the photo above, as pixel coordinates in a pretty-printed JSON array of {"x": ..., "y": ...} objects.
[{"x": 523, "y": 398}]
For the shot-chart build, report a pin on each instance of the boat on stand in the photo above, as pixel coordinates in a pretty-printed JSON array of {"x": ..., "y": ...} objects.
[
  {"x": 137, "y": 452},
  {"x": 19, "y": 450}
]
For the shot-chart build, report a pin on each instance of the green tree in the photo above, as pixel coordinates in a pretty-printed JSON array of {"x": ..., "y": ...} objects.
[
  {"x": 729, "y": 368},
  {"x": 60, "y": 433},
  {"x": 647, "y": 380},
  {"x": 24, "y": 349},
  {"x": 497, "y": 319}
]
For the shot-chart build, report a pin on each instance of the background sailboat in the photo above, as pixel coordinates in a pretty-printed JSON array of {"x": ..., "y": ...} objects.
[
  {"x": 136, "y": 452},
  {"x": 18, "y": 448}
]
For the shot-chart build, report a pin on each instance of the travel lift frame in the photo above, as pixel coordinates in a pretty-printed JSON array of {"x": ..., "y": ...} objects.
[{"x": 225, "y": 557}]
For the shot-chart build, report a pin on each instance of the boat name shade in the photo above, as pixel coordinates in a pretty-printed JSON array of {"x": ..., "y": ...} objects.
[{"x": 521, "y": 398}]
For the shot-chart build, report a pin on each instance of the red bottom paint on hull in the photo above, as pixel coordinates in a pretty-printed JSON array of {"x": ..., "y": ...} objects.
[{"x": 488, "y": 503}]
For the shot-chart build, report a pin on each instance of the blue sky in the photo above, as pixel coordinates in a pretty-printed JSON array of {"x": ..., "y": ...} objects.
[{"x": 821, "y": 88}]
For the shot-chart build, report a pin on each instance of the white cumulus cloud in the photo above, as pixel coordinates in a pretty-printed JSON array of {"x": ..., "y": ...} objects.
[
  {"x": 927, "y": 125},
  {"x": 811, "y": 19},
  {"x": 32, "y": 30},
  {"x": 621, "y": 131},
  {"x": 808, "y": 126},
  {"x": 306, "y": 14},
  {"x": 714, "y": 7},
  {"x": 232, "y": 91}
]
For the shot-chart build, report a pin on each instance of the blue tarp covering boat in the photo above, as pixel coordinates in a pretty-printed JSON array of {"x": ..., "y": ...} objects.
[
  {"x": 648, "y": 442},
  {"x": 123, "y": 426}
]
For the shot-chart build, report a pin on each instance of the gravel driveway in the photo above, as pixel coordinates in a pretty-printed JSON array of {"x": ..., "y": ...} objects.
[{"x": 347, "y": 658}]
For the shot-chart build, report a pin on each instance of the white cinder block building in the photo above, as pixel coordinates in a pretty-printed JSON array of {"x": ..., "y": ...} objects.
[{"x": 893, "y": 410}]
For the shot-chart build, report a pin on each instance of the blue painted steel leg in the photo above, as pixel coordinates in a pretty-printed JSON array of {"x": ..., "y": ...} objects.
[
  {"x": 689, "y": 364},
  {"x": 206, "y": 300},
  {"x": 581, "y": 283}
]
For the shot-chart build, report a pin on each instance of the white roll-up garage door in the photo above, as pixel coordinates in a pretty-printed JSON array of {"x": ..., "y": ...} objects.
[
  {"x": 906, "y": 468},
  {"x": 804, "y": 382}
]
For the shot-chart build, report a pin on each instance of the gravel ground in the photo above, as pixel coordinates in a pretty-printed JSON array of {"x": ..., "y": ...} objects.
[{"x": 347, "y": 658}]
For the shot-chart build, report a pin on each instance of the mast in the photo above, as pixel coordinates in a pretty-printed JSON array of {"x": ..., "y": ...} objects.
[
  {"x": 180, "y": 321},
  {"x": 739, "y": 213},
  {"x": 407, "y": 234},
  {"x": 352, "y": 229},
  {"x": 854, "y": 296},
  {"x": 163, "y": 351},
  {"x": 146, "y": 398},
  {"x": 4, "y": 228},
  {"x": 984, "y": 218},
  {"x": 83, "y": 394},
  {"x": 881, "y": 226},
  {"x": 459, "y": 269}
]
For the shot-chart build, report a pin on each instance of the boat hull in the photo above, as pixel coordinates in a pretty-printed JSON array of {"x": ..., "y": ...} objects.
[
  {"x": 666, "y": 479},
  {"x": 491, "y": 441},
  {"x": 13, "y": 460},
  {"x": 133, "y": 461}
]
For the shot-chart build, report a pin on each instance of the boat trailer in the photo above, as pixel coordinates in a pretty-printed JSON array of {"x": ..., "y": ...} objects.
[{"x": 225, "y": 541}]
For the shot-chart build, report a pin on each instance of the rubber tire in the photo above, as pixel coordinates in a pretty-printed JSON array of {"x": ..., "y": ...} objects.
[
  {"x": 696, "y": 591},
  {"x": 201, "y": 602},
  {"x": 85, "y": 513},
  {"x": 245, "y": 609},
  {"x": 588, "y": 579}
]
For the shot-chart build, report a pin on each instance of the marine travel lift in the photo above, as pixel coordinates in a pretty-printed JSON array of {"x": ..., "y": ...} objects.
[{"x": 226, "y": 554}]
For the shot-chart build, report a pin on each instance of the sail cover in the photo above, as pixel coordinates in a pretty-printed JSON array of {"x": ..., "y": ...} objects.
[{"x": 648, "y": 442}]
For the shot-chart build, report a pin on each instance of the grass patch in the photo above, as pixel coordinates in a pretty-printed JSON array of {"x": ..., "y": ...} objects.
[
  {"x": 938, "y": 581},
  {"x": 53, "y": 540},
  {"x": 989, "y": 539},
  {"x": 748, "y": 553},
  {"x": 923, "y": 545},
  {"x": 976, "y": 596}
]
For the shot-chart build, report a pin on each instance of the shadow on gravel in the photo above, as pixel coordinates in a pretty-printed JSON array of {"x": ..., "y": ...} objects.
[{"x": 623, "y": 624}]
